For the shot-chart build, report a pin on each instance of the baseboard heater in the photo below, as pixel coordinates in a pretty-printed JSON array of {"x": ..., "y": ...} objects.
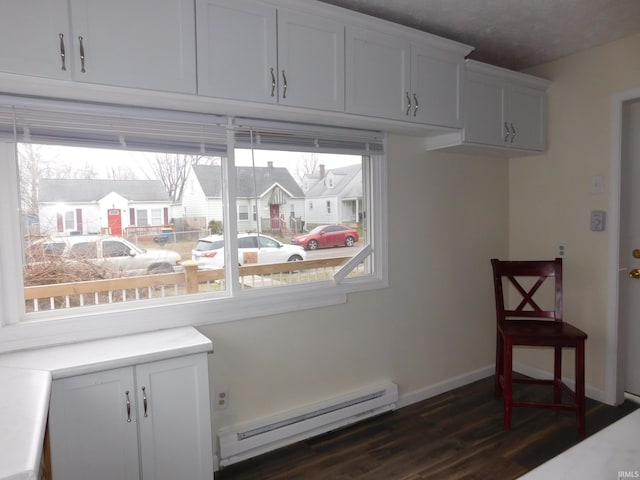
[{"x": 241, "y": 442}]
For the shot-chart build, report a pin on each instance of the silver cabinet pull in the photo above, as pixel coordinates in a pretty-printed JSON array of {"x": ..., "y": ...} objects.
[
  {"x": 284, "y": 89},
  {"x": 144, "y": 400},
  {"x": 62, "y": 52},
  {"x": 273, "y": 83},
  {"x": 408, "y": 104},
  {"x": 513, "y": 133},
  {"x": 128, "y": 406},
  {"x": 506, "y": 132},
  {"x": 81, "y": 54},
  {"x": 415, "y": 105}
]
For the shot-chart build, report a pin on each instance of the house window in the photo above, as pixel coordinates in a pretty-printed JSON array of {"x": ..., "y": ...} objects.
[
  {"x": 328, "y": 206},
  {"x": 243, "y": 212},
  {"x": 156, "y": 217},
  {"x": 142, "y": 219},
  {"x": 69, "y": 220},
  {"x": 230, "y": 274}
]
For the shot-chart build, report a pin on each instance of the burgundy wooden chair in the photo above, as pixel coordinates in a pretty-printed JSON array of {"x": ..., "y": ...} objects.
[{"x": 527, "y": 324}]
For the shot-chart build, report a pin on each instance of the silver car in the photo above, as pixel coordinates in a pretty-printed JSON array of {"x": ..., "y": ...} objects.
[
  {"x": 252, "y": 248},
  {"x": 113, "y": 253}
]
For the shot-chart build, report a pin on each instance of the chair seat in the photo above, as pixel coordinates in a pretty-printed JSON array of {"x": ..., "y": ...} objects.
[{"x": 541, "y": 333}]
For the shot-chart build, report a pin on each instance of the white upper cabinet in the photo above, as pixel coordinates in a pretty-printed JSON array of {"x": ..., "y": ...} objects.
[
  {"x": 310, "y": 61},
  {"x": 402, "y": 78},
  {"x": 504, "y": 108},
  {"x": 135, "y": 43},
  {"x": 524, "y": 110},
  {"x": 504, "y": 113},
  {"x": 436, "y": 86},
  {"x": 237, "y": 56},
  {"x": 256, "y": 52},
  {"x": 35, "y": 38},
  {"x": 377, "y": 74},
  {"x": 131, "y": 43}
]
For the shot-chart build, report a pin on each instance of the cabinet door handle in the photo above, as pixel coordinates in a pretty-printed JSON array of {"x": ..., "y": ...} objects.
[
  {"x": 144, "y": 400},
  {"x": 62, "y": 53},
  {"x": 128, "y": 406},
  {"x": 506, "y": 132},
  {"x": 273, "y": 83},
  {"x": 513, "y": 133},
  {"x": 81, "y": 54},
  {"x": 408, "y": 104},
  {"x": 415, "y": 105},
  {"x": 284, "y": 89}
]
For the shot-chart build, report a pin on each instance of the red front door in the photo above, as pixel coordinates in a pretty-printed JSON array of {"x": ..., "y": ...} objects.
[
  {"x": 274, "y": 213},
  {"x": 115, "y": 221}
]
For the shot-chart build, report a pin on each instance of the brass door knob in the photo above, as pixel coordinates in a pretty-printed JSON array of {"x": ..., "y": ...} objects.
[{"x": 635, "y": 273}]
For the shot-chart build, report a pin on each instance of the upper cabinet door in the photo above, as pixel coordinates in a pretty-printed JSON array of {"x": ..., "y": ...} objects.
[
  {"x": 35, "y": 38},
  {"x": 484, "y": 121},
  {"x": 436, "y": 87},
  {"x": 310, "y": 61},
  {"x": 135, "y": 43},
  {"x": 237, "y": 55},
  {"x": 525, "y": 113},
  {"x": 377, "y": 74}
]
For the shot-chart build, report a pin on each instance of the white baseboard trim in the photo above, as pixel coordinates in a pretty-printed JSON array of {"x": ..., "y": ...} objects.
[
  {"x": 444, "y": 386},
  {"x": 590, "y": 391}
]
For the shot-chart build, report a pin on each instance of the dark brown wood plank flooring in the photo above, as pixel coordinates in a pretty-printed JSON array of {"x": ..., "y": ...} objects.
[{"x": 456, "y": 435}]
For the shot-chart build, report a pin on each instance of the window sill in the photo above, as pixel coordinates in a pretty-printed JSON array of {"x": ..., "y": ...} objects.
[{"x": 107, "y": 322}]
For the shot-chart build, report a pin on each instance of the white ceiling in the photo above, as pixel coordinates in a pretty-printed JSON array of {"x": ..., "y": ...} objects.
[{"x": 514, "y": 34}]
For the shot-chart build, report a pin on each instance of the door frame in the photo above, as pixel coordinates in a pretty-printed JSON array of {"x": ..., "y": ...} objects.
[{"x": 614, "y": 367}]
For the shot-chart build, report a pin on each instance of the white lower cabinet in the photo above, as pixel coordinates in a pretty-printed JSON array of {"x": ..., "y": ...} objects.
[{"x": 149, "y": 421}]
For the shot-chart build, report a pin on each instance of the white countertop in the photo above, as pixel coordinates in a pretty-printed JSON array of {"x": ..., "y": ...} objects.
[
  {"x": 24, "y": 403},
  {"x": 26, "y": 376},
  {"x": 611, "y": 453}
]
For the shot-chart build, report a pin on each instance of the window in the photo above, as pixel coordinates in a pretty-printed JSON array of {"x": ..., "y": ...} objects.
[
  {"x": 142, "y": 218},
  {"x": 156, "y": 216},
  {"x": 243, "y": 212},
  {"x": 328, "y": 206},
  {"x": 69, "y": 220},
  {"x": 235, "y": 260}
]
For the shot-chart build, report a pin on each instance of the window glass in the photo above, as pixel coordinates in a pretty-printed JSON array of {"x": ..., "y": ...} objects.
[
  {"x": 272, "y": 183},
  {"x": 141, "y": 218},
  {"x": 104, "y": 192}
]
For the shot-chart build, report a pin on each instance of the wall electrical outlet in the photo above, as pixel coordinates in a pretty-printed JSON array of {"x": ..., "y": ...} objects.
[
  {"x": 562, "y": 250},
  {"x": 221, "y": 399}
]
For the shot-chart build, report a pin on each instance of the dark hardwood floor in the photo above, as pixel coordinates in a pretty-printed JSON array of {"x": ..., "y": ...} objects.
[{"x": 456, "y": 435}]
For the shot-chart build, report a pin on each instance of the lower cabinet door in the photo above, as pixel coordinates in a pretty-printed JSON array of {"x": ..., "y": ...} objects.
[
  {"x": 92, "y": 427},
  {"x": 175, "y": 419}
]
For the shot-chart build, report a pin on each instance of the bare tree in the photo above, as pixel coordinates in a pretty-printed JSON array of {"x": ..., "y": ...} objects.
[
  {"x": 34, "y": 164},
  {"x": 171, "y": 169},
  {"x": 308, "y": 165}
]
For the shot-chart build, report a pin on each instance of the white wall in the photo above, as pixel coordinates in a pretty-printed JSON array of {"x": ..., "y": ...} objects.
[
  {"x": 447, "y": 217},
  {"x": 550, "y": 195}
]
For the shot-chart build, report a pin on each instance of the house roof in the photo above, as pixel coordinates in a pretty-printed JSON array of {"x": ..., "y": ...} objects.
[
  {"x": 265, "y": 179},
  {"x": 55, "y": 190},
  {"x": 342, "y": 187}
]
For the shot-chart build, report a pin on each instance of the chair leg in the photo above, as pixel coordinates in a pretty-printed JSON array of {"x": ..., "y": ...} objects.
[
  {"x": 557, "y": 374},
  {"x": 499, "y": 365},
  {"x": 579, "y": 390},
  {"x": 507, "y": 370}
]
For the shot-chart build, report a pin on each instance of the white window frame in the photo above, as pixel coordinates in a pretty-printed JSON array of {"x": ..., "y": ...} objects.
[{"x": 193, "y": 310}]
